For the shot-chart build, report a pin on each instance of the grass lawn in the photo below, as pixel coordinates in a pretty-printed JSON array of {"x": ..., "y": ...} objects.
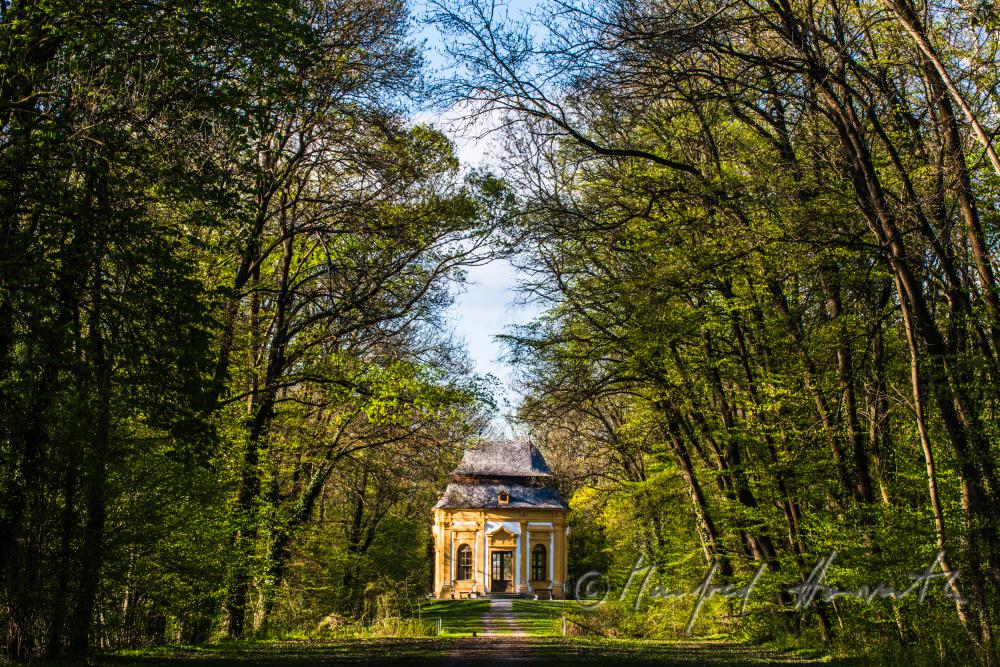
[
  {"x": 366, "y": 651},
  {"x": 464, "y": 651},
  {"x": 541, "y": 618},
  {"x": 458, "y": 617}
]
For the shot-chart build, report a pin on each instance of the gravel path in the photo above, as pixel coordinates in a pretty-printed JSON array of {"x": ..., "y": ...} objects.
[
  {"x": 501, "y": 620},
  {"x": 501, "y": 627}
]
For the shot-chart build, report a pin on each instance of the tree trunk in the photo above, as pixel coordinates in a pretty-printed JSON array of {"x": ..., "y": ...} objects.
[
  {"x": 250, "y": 483},
  {"x": 92, "y": 550}
]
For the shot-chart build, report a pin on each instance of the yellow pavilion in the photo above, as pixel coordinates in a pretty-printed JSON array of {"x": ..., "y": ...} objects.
[{"x": 500, "y": 526}]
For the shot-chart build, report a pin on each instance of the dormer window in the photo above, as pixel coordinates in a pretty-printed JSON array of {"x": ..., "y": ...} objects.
[{"x": 503, "y": 498}]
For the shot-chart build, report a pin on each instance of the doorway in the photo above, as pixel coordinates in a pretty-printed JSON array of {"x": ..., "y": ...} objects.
[{"x": 502, "y": 572}]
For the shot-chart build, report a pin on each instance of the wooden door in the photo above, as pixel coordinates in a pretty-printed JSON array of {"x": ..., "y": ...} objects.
[{"x": 502, "y": 572}]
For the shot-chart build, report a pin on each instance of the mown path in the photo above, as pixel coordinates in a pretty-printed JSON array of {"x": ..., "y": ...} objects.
[{"x": 500, "y": 619}]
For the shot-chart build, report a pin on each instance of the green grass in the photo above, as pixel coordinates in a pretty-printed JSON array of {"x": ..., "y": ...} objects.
[
  {"x": 458, "y": 617},
  {"x": 354, "y": 651},
  {"x": 450, "y": 650},
  {"x": 541, "y": 618}
]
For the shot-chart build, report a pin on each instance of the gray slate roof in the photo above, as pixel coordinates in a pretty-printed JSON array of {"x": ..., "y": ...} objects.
[
  {"x": 503, "y": 458},
  {"x": 484, "y": 496},
  {"x": 490, "y": 467}
]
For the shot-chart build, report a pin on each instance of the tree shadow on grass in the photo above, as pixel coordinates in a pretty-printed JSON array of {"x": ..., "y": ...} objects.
[{"x": 463, "y": 651}]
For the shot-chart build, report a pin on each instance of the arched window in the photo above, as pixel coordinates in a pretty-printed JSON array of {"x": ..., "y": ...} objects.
[
  {"x": 538, "y": 563},
  {"x": 465, "y": 562}
]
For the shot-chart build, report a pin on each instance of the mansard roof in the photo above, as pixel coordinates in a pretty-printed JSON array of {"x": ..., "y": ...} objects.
[
  {"x": 503, "y": 458},
  {"x": 514, "y": 466}
]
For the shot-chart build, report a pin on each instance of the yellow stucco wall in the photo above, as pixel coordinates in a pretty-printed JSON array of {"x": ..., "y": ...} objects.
[{"x": 481, "y": 530}]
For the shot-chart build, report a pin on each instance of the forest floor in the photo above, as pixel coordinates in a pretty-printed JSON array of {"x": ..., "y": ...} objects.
[{"x": 476, "y": 632}]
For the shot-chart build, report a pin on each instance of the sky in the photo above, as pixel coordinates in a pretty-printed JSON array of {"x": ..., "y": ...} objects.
[
  {"x": 486, "y": 306},
  {"x": 484, "y": 310}
]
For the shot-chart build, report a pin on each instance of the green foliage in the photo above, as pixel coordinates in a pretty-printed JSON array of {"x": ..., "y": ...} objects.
[
  {"x": 759, "y": 237},
  {"x": 224, "y": 255}
]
